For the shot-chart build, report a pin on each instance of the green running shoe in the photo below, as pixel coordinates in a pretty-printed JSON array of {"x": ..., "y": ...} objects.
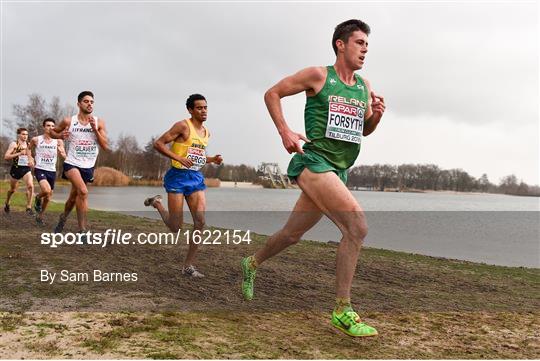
[
  {"x": 249, "y": 278},
  {"x": 349, "y": 322}
]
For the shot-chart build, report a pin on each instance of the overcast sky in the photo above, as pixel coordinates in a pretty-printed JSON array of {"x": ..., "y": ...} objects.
[{"x": 460, "y": 80}]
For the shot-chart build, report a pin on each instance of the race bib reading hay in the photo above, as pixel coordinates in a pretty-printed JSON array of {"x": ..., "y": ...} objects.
[
  {"x": 197, "y": 156},
  {"x": 46, "y": 159},
  {"x": 345, "y": 119},
  {"x": 23, "y": 160}
]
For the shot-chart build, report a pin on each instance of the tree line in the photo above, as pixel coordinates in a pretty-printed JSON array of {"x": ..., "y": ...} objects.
[
  {"x": 126, "y": 154},
  {"x": 144, "y": 162},
  {"x": 147, "y": 163},
  {"x": 430, "y": 177}
]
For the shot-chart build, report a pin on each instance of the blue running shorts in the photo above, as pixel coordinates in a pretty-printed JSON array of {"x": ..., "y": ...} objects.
[{"x": 185, "y": 181}]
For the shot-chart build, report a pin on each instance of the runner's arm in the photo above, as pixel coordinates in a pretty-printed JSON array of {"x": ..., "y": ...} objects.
[
  {"x": 308, "y": 79},
  {"x": 9, "y": 152},
  {"x": 31, "y": 147},
  {"x": 218, "y": 159},
  {"x": 374, "y": 112},
  {"x": 31, "y": 162},
  {"x": 61, "y": 149},
  {"x": 179, "y": 129},
  {"x": 33, "y": 144},
  {"x": 101, "y": 133},
  {"x": 61, "y": 129}
]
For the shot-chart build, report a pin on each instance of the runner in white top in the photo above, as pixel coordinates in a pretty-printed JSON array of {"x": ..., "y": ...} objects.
[
  {"x": 85, "y": 134},
  {"x": 83, "y": 145},
  {"x": 46, "y": 154},
  {"x": 22, "y": 162}
]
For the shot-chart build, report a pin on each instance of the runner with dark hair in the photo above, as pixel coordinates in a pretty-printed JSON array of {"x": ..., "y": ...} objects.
[
  {"x": 85, "y": 134},
  {"x": 19, "y": 154},
  {"x": 46, "y": 152},
  {"x": 341, "y": 107},
  {"x": 189, "y": 138}
]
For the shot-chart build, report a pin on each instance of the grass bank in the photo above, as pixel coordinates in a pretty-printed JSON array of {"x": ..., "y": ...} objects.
[{"x": 423, "y": 307}]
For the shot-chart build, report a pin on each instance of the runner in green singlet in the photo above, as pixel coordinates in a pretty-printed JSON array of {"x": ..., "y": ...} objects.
[{"x": 341, "y": 107}]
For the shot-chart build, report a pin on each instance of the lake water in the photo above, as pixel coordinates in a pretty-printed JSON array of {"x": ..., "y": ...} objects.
[{"x": 489, "y": 228}]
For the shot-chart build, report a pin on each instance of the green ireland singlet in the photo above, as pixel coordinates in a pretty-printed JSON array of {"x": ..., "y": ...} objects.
[{"x": 334, "y": 121}]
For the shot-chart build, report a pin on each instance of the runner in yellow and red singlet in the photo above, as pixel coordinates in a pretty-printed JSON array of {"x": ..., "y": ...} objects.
[{"x": 189, "y": 138}]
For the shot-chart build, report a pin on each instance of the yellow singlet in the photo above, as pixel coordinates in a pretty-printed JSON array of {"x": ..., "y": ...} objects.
[{"x": 192, "y": 148}]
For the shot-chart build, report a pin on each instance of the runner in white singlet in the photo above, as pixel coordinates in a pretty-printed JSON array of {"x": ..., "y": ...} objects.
[
  {"x": 46, "y": 152},
  {"x": 84, "y": 134},
  {"x": 22, "y": 162}
]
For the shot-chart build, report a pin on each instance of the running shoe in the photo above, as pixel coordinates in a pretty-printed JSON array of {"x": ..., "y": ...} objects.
[
  {"x": 29, "y": 211},
  {"x": 349, "y": 322},
  {"x": 150, "y": 201},
  {"x": 191, "y": 271},
  {"x": 37, "y": 205},
  {"x": 84, "y": 238},
  {"x": 249, "y": 278},
  {"x": 39, "y": 221},
  {"x": 60, "y": 225},
  {"x": 6, "y": 208}
]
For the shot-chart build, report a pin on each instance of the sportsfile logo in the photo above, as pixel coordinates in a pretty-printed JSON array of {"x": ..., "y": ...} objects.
[
  {"x": 117, "y": 237},
  {"x": 110, "y": 236}
]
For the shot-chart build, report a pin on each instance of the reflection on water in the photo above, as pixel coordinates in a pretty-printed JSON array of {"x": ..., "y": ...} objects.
[{"x": 494, "y": 229}]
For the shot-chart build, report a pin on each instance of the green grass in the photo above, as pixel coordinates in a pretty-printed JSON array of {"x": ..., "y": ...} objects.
[
  {"x": 54, "y": 326},
  {"x": 424, "y": 307},
  {"x": 163, "y": 356},
  {"x": 100, "y": 345},
  {"x": 11, "y": 321}
]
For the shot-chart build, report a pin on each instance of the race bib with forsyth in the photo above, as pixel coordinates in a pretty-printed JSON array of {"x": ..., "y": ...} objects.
[
  {"x": 85, "y": 148},
  {"x": 197, "y": 156},
  {"x": 345, "y": 120},
  {"x": 23, "y": 161}
]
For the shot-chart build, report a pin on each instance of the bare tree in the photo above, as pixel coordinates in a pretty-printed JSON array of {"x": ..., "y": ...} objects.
[
  {"x": 509, "y": 184},
  {"x": 32, "y": 114},
  {"x": 4, "y": 144},
  {"x": 154, "y": 163},
  {"x": 127, "y": 154},
  {"x": 483, "y": 183}
]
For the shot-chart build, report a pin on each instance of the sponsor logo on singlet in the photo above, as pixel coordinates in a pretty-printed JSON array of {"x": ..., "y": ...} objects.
[
  {"x": 197, "y": 154},
  {"x": 345, "y": 119}
]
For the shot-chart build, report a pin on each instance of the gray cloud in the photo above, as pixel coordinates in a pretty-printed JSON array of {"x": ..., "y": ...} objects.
[{"x": 474, "y": 64}]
